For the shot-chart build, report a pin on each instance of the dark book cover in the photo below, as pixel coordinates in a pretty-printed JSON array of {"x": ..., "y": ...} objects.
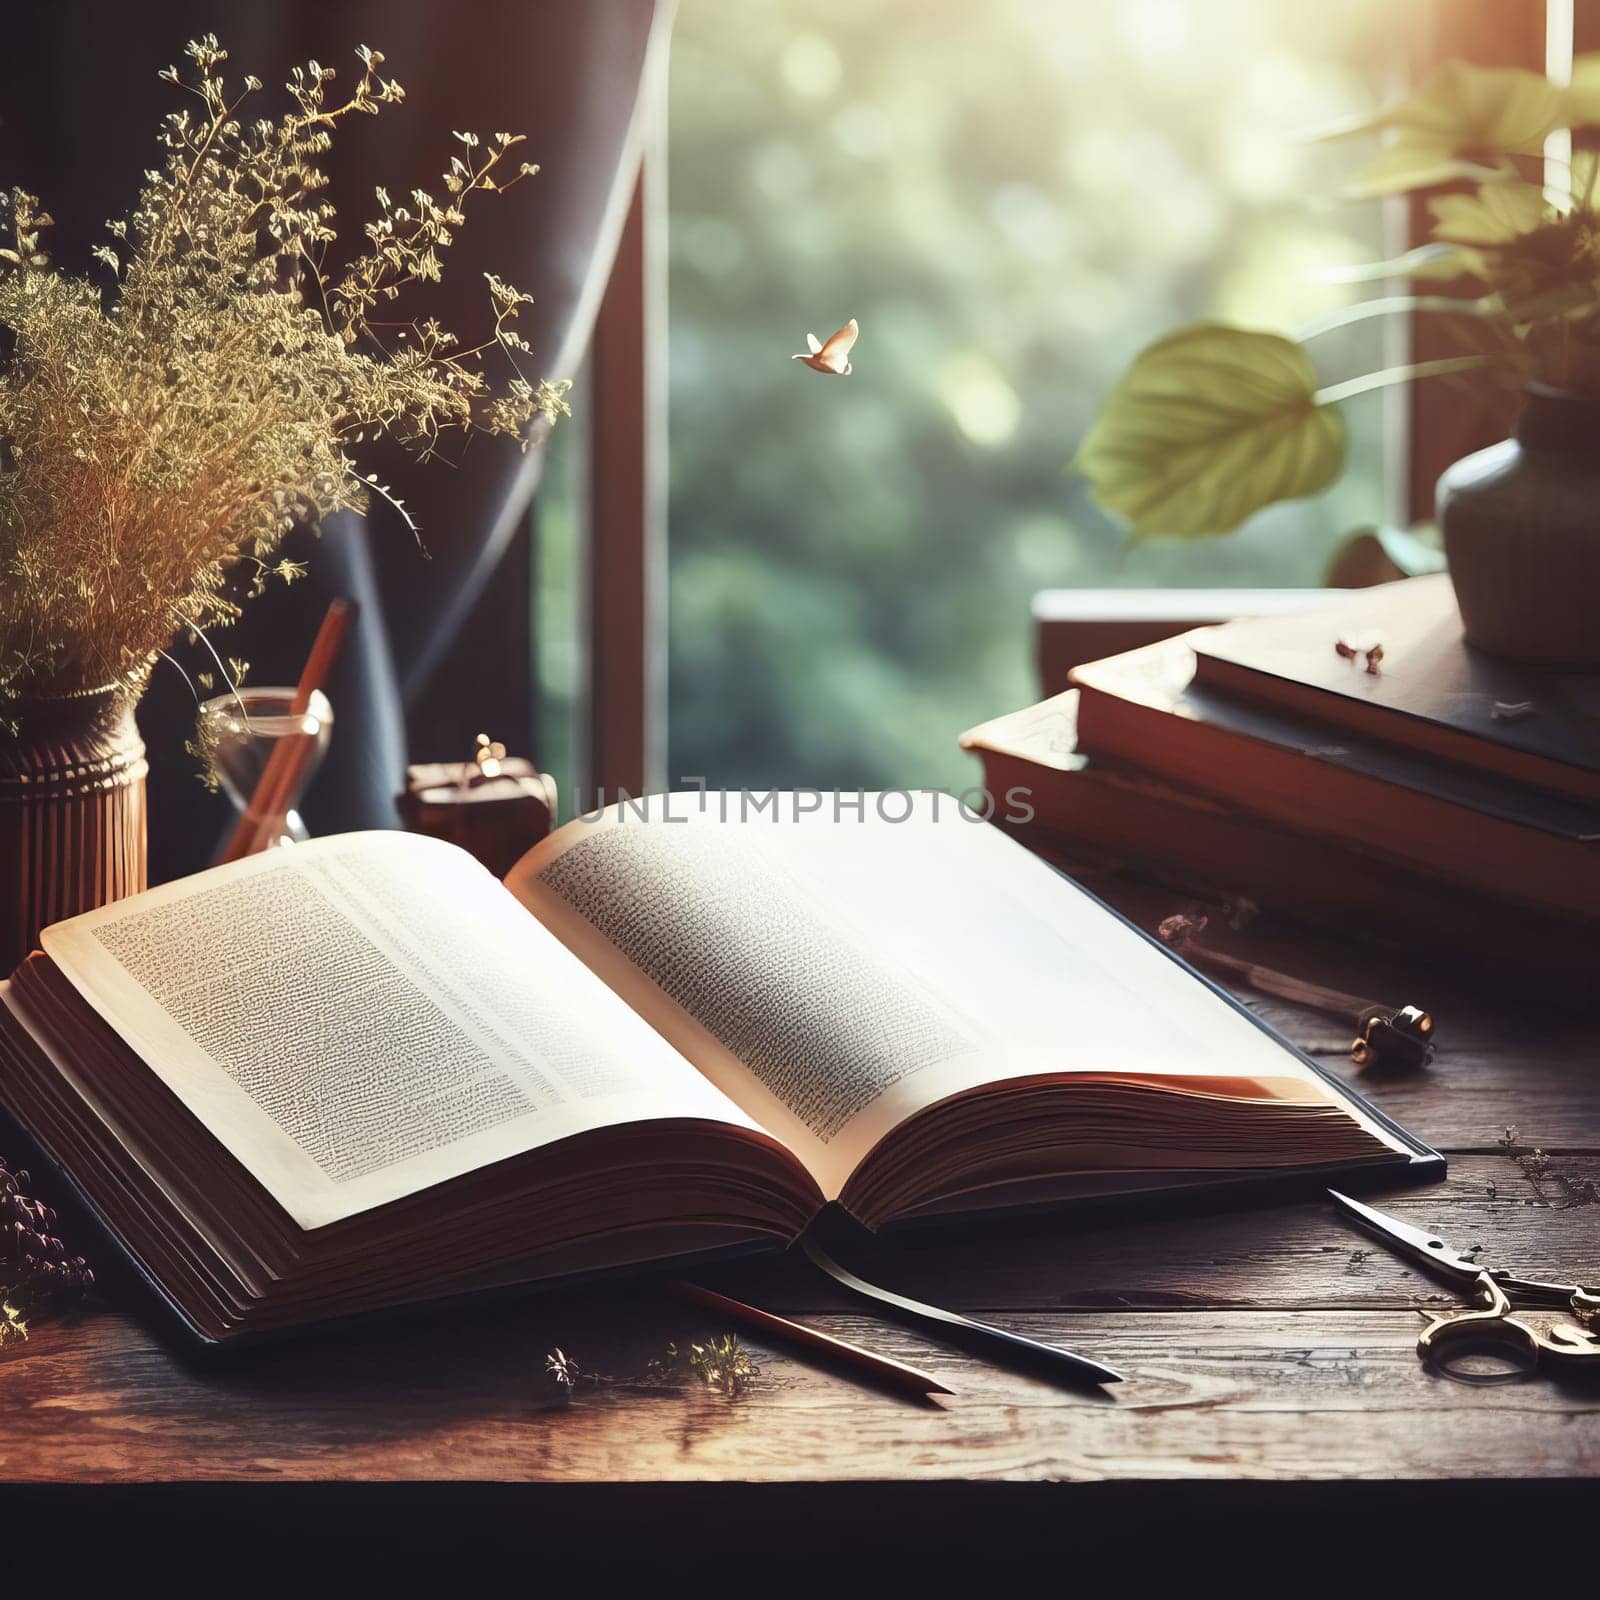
[{"x": 1430, "y": 692}]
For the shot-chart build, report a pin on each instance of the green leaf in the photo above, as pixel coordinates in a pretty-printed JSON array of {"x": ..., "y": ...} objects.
[
  {"x": 1578, "y": 192},
  {"x": 1470, "y": 110},
  {"x": 1404, "y": 166},
  {"x": 1582, "y": 97},
  {"x": 1207, "y": 426},
  {"x": 1495, "y": 215},
  {"x": 1461, "y": 113}
]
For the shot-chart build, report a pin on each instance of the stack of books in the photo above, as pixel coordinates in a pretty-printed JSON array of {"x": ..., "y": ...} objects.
[{"x": 1423, "y": 791}]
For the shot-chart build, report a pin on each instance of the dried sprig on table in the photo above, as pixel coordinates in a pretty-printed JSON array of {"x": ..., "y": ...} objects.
[
  {"x": 13, "y": 1325},
  {"x": 718, "y": 1362},
  {"x": 36, "y": 1268},
  {"x": 1556, "y": 1188},
  {"x": 160, "y": 434}
]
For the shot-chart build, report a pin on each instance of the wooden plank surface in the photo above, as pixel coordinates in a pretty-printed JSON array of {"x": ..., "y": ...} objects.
[
  {"x": 1294, "y": 1255},
  {"x": 1502, "y": 1059},
  {"x": 1325, "y": 1394},
  {"x": 1264, "y": 1343}
]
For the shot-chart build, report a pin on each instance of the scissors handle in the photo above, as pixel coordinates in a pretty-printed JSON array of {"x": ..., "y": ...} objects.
[
  {"x": 1495, "y": 1326},
  {"x": 1536, "y": 1292}
]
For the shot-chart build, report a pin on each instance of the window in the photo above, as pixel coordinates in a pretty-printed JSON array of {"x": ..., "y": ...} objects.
[{"x": 1012, "y": 198}]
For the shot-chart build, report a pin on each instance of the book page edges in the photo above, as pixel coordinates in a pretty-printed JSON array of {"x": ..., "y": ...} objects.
[{"x": 261, "y": 1146}]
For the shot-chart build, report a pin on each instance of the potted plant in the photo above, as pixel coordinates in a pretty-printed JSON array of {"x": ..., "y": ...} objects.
[
  {"x": 1213, "y": 422},
  {"x": 162, "y": 430}
]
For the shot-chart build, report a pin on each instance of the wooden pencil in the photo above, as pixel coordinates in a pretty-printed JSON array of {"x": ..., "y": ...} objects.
[
  {"x": 285, "y": 767},
  {"x": 839, "y": 1352}
]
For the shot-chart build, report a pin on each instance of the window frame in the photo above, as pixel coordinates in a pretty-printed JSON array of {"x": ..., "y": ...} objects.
[
  {"x": 623, "y": 715},
  {"x": 623, "y": 626}
]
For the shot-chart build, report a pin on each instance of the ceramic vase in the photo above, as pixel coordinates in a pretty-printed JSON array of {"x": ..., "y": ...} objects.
[{"x": 1521, "y": 525}]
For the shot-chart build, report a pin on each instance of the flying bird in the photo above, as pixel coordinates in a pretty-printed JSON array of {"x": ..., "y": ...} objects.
[{"x": 834, "y": 356}]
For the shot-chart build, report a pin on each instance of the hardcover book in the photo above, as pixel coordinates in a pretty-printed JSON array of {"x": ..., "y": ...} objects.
[
  {"x": 1433, "y": 692},
  {"x": 362, "y": 1073},
  {"x": 1092, "y": 811},
  {"x": 1474, "y": 827}
]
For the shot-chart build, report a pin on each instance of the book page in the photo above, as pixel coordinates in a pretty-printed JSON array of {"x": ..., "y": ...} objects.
[
  {"x": 364, "y": 1016},
  {"x": 837, "y": 973}
]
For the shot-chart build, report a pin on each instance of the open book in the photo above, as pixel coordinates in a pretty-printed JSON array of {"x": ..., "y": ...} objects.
[{"x": 361, "y": 1073}]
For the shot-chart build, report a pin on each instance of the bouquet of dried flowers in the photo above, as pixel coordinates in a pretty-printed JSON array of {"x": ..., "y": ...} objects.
[{"x": 160, "y": 433}]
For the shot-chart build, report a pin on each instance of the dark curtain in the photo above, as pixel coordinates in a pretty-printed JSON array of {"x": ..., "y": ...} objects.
[{"x": 440, "y": 650}]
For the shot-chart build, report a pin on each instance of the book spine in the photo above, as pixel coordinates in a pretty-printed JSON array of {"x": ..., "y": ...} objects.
[
  {"x": 1483, "y": 853},
  {"x": 1381, "y": 722},
  {"x": 1194, "y": 846}
]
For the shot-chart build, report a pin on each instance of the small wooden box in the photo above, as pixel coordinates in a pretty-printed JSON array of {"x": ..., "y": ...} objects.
[{"x": 497, "y": 819}]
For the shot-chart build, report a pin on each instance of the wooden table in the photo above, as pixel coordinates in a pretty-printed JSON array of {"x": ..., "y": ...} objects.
[{"x": 1271, "y": 1352}]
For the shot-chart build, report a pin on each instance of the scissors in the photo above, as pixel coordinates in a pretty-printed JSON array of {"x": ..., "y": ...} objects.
[{"x": 1494, "y": 1325}]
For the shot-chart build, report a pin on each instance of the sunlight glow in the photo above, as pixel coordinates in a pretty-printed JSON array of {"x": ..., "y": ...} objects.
[
  {"x": 1156, "y": 27},
  {"x": 811, "y": 65},
  {"x": 986, "y": 408}
]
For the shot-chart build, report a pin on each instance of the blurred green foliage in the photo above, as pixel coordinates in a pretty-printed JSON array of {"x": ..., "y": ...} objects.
[{"x": 1013, "y": 198}]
